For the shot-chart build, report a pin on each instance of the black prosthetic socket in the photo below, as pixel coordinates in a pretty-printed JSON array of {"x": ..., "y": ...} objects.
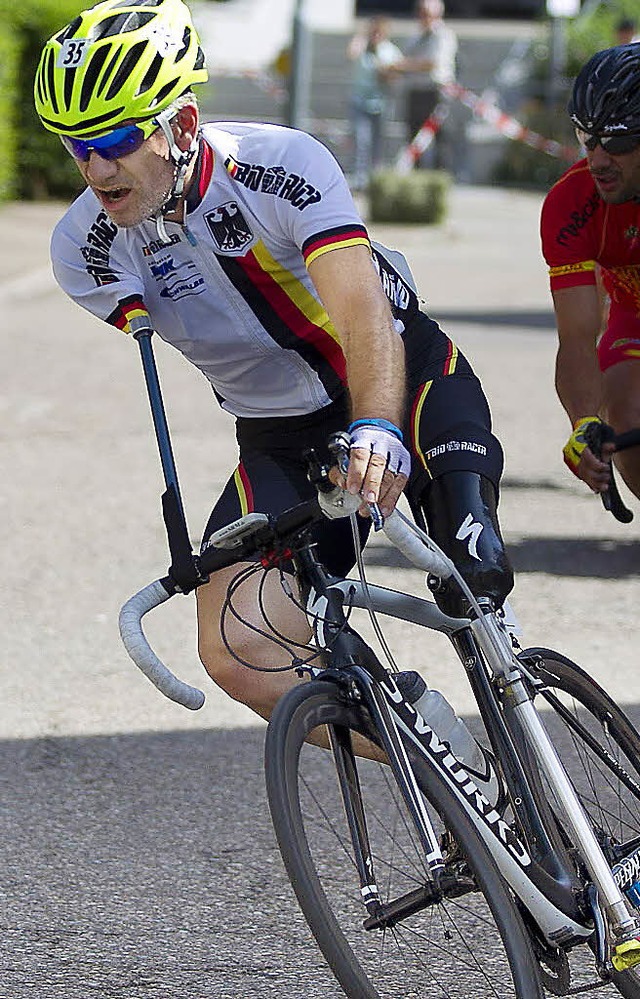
[{"x": 461, "y": 513}]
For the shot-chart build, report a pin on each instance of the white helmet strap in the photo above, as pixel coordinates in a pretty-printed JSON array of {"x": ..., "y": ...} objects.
[{"x": 181, "y": 158}]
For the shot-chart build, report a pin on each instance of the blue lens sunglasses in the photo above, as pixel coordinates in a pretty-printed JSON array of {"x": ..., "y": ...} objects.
[{"x": 112, "y": 146}]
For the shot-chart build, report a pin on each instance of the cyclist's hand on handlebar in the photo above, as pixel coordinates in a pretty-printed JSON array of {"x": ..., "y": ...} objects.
[
  {"x": 580, "y": 458},
  {"x": 379, "y": 463}
]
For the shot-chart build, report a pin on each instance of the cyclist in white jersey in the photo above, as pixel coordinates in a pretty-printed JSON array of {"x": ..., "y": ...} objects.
[{"x": 240, "y": 245}]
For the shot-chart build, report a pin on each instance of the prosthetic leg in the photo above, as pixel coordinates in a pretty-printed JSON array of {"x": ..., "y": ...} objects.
[{"x": 460, "y": 510}]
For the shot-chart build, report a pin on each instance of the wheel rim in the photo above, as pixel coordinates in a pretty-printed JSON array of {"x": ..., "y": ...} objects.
[
  {"x": 611, "y": 801},
  {"x": 451, "y": 949}
]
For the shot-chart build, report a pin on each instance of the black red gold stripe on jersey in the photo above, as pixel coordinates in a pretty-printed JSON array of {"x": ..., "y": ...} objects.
[
  {"x": 289, "y": 313},
  {"x": 334, "y": 239},
  {"x": 128, "y": 309},
  {"x": 420, "y": 398}
]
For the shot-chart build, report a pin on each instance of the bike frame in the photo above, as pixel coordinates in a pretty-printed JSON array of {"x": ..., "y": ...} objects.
[
  {"x": 543, "y": 878},
  {"x": 542, "y": 883}
]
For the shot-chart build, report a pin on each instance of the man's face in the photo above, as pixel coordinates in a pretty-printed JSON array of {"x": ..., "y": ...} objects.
[
  {"x": 617, "y": 178},
  {"x": 134, "y": 187}
]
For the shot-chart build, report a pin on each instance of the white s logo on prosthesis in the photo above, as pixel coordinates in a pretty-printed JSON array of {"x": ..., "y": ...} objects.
[{"x": 471, "y": 529}]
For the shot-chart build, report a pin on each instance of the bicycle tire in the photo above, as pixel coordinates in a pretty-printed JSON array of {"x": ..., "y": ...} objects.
[
  {"x": 613, "y": 807},
  {"x": 454, "y": 946}
]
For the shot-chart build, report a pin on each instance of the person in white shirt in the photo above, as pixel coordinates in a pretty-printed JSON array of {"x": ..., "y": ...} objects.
[{"x": 429, "y": 62}]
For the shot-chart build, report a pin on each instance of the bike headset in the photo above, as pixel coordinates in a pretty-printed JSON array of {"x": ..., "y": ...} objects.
[
  {"x": 605, "y": 100},
  {"x": 122, "y": 62}
]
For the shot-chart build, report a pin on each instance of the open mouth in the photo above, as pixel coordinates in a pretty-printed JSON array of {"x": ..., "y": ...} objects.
[{"x": 113, "y": 196}]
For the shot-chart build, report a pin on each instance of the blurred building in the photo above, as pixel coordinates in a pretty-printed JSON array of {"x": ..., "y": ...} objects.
[
  {"x": 507, "y": 9},
  {"x": 248, "y": 43}
]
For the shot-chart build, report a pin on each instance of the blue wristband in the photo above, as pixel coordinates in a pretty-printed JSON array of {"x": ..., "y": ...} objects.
[{"x": 376, "y": 422}]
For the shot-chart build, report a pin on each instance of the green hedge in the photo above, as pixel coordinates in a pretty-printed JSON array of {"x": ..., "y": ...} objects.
[
  {"x": 33, "y": 164},
  {"x": 420, "y": 196}
]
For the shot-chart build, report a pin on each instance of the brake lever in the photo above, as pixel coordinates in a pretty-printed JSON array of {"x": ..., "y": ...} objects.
[
  {"x": 339, "y": 445},
  {"x": 596, "y": 435}
]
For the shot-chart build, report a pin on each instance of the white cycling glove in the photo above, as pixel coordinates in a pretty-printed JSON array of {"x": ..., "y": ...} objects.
[{"x": 381, "y": 437}]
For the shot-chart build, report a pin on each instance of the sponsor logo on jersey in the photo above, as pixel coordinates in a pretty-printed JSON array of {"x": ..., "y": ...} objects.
[
  {"x": 439, "y": 449},
  {"x": 183, "y": 289},
  {"x": 275, "y": 180},
  {"x": 577, "y": 221},
  {"x": 177, "y": 280},
  {"x": 97, "y": 250},
  {"x": 582, "y": 265},
  {"x": 156, "y": 245},
  {"x": 229, "y": 227},
  {"x": 392, "y": 284},
  {"x": 631, "y": 232},
  {"x": 163, "y": 268},
  {"x": 628, "y": 278}
]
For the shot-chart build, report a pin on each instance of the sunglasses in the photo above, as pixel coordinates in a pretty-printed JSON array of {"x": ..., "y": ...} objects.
[
  {"x": 112, "y": 146},
  {"x": 616, "y": 145}
]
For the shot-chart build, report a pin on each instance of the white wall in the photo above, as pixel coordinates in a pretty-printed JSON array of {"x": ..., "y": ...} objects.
[{"x": 248, "y": 34}]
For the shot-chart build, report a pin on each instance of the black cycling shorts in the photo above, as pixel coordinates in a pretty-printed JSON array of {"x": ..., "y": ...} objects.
[{"x": 447, "y": 426}]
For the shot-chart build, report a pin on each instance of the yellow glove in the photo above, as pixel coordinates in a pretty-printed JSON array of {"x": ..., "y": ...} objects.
[{"x": 579, "y": 441}]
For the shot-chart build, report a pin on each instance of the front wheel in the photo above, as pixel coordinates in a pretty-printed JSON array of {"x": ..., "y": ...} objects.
[
  {"x": 600, "y": 751},
  {"x": 470, "y": 943}
]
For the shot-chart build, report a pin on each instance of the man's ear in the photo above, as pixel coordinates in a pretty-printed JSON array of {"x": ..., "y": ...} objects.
[{"x": 185, "y": 126}]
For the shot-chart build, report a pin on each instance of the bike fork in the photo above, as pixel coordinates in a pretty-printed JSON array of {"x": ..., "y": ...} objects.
[
  {"x": 625, "y": 927},
  {"x": 384, "y": 915}
]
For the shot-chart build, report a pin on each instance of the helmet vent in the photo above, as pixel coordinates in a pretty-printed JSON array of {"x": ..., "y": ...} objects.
[
  {"x": 51, "y": 81},
  {"x": 186, "y": 38},
  {"x": 69, "y": 31},
  {"x": 120, "y": 24},
  {"x": 151, "y": 75},
  {"x": 91, "y": 76},
  {"x": 125, "y": 69},
  {"x": 107, "y": 73},
  {"x": 69, "y": 80},
  {"x": 138, "y": 3},
  {"x": 168, "y": 89}
]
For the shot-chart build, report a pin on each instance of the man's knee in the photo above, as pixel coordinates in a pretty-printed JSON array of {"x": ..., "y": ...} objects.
[
  {"x": 461, "y": 513},
  {"x": 223, "y": 668}
]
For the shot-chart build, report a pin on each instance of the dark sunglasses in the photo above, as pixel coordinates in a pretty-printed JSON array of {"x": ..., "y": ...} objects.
[
  {"x": 113, "y": 145},
  {"x": 616, "y": 145}
]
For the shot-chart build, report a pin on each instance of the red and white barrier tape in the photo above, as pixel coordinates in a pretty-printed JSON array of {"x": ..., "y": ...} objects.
[
  {"x": 503, "y": 123},
  {"x": 493, "y": 115}
]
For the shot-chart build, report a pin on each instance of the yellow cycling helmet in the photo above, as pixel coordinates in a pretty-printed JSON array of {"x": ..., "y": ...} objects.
[{"x": 122, "y": 60}]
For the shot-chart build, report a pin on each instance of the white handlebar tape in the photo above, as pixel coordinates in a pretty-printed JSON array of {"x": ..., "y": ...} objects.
[
  {"x": 402, "y": 537},
  {"x": 136, "y": 644}
]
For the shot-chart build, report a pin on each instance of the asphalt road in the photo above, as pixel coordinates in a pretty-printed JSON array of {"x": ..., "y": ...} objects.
[{"x": 137, "y": 856}]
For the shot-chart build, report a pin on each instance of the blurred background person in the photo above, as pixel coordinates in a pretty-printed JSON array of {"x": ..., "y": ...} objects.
[
  {"x": 371, "y": 52},
  {"x": 626, "y": 31},
  {"x": 429, "y": 62}
]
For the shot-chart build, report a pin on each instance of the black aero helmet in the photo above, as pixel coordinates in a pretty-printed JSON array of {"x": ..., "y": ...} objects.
[{"x": 606, "y": 93}]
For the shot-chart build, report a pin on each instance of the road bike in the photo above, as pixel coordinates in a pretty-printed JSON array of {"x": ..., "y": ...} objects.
[{"x": 412, "y": 881}]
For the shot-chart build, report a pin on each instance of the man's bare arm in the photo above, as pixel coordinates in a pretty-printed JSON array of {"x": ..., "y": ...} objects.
[
  {"x": 350, "y": 289},
  {"x": 578, "y": 377}
]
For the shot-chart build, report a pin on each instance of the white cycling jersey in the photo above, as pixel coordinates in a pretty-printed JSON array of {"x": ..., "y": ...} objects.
[{"x": 231, "y": 289}]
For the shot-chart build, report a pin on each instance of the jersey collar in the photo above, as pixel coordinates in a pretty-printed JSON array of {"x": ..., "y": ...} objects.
[{"x": 201, "y": 176}]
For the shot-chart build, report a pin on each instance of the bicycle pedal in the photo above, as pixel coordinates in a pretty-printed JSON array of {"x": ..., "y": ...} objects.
[{"x": 626, "y": 954}]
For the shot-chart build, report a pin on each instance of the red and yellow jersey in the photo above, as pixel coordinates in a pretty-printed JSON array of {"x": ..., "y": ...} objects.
[
  {"x": 579, "y": 230},
  {"x": 580, "y": 233}
]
